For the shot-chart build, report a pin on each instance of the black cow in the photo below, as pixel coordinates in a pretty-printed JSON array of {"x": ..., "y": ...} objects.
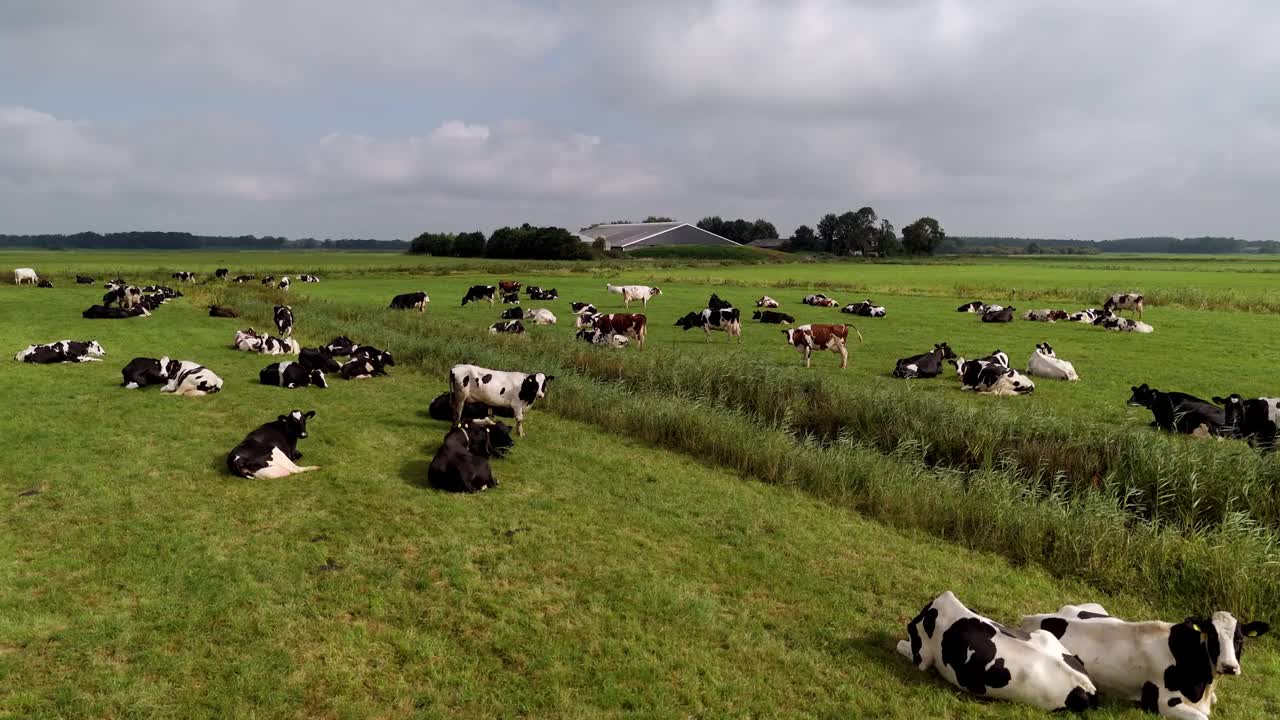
[
  {"x": 512, "y": 314},
  {"x": 142, "y": 371},
  {"x": 531, "y": 289},
  {"x": 1252, "y": 420},
  {"x": 317, "y": 358},
  {"x": 1003, "y": 315},
  {"x": 476, "y": 293},
  {"x": 289, "y": 374},
  {"x": 409, "y": 301},
  {"x": 102, "y": 312},
  {"x": 366, "y": 362},
  {"x": 510, "y": 297},
  {"x": 441, "y": 408},
  {"x": 222, "y": 312},
  {"x": 83, "y": 280},
  {"x": 462, "y": 462},
  {"x": 243, "y": 278},
  {"x": 1179, "y": 411},
  {"x": 544, "y": 294},
  {"x": 44, "y": 283},
  {"x": 340, "y": 345},
  {"x": 271, "y": 451},
  {"x": 925, "y": 365},
  {"x": 715, "y": 303},
  {"x": 514, "y": 327},
  {"x": 221, "y": 273},
  {"x": 769, "y": 316},
  {"x": 284, "y": 320}
]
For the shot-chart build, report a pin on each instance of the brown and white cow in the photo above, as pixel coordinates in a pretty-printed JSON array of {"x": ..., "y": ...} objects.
[
  {"x": 807, "y": 338},
  {"x": 627, "y": 324},
  {"x": 509, "y": 286}
]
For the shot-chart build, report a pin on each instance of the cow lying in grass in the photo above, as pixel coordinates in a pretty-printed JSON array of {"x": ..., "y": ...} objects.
[
  {"x": 190, "y": 379},
  {"x": 1179, "y": 412},
  {"x": 987, "y": 659},
  {"x": 924, "y": 365},
  {"x": 62, "y": 351},
  {"x": 1254, "y": 420},
  {"x": 1044, "y": 362},
  {"x": 462, "y": 462},
  {"x": 271, "y": 451},
  {"x": 143, "y": 371}
]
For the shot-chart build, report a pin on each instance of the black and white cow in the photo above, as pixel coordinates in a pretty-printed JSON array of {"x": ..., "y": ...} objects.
[
  {"x": 477, "y": 293},
  {"x": 600, "y": 337},
  {"x": 1044, "y": 362},
  {"x": 409, "y": 301},
  {"x": 184, "y": 276},
  {"x": 924, "y": 365},
  {"x": 242, "y": 278},
  {"x": 496, "y": 388},
  {"x": 221, "y": 273},
  {"x": 866, "y": 308},
  {"x": 247, "y": 340},
  {"x": 143, "y": 371},
  {"x": 1048, "y": 315},
  {"x": 366, "y": 361},
  {"x": 1119, "y": 324},
  {"x": 283, "y": 315},
  {"x": 996, "y": 379},
  {"x": 271, "y": 451},
  {"x": 970, "y": 371},
  {"x": 1124, "y": 301},
  {"x": 715, "y": 303},
  {"x": 284, "y": 283},
  {"x": 531, "y": 289},
  {"x": 1003, "y": 315},
  {"x": 583, "y": 308},
  {"x": 308, "y": 279},
  {"x": 1253, "y": 420},
  {"x": 269, "y": 345},
  {"x": 84, "y": 280},
  {"x": 1167, "y": 668},
  {"x": 819, "y": 300},
  {"x": 551, "y": 294},
  {"x": 222, "y": 312},
  {"x": 164, "y": 290},
  {"x": 769, "y": 316},
  {"x": 62, "y": 351},
  {"x": 983, "y": 657},
  {"x": 977, "y": 307},
  {"x": 102, "y": 312},
  {"x": 510, "y": 327},
  {"x": 1179, "y": 412},
  {"x": 190, "y": 379},
  {"x": 462, "y": 462},
  {"x": 509, "y": 298},
  {"x": 514, "y": 313},
  {"x": 289, "y": 374},
  {"x": 341, "y": 345},
  {"x": 441, "y": 408},
  {"x": 1085, "y": 316},
  {"x": 317, "y": 358},
  {"x": 727, "y": 320},
  {"x": 45, "y": 283},
  {"x": 123, "y": 295},
  {"x": 766, "y": 302},
  {"x": 269, "y": 280}
]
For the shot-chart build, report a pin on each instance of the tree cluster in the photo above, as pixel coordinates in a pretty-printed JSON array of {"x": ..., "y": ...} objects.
[
  {"x": 862, "y": 232},
  {"x": 525, "y": 242},
  {"x": 740, "y": 231}
]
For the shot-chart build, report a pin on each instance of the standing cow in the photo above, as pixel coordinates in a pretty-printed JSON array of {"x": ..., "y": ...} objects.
[
  {"x": 497, "y": 388},
  {"x": 807, "y": 338},
  {"x": 477, "y": 293},
  {"x": 728, "y": 320},
  {"x": 284, "y": 320},
  {"x": 25, "y": 275},
  {"x": 630, "y": 293}
]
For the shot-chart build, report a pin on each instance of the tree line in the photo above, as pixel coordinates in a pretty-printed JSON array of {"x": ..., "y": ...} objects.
[
  {"x": 164, "y": 240},
  {"x": 525, "y": 242}
]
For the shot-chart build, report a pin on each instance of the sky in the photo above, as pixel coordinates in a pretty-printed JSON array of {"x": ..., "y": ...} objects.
[{"x": 319, "y": 118}]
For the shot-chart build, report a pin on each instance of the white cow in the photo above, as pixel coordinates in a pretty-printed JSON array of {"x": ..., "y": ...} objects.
[
  {"x": 1044, "y": 362},
  {"x": 540, "y": 316},
  {"x": 988, "y": 659},
  {"x": 1169, "y": 669},
  {"x": 496, "y": 388},
  {"x": 766, "y": 302},
  {"x": 191, "y": 379},
  {"x": 22, "y": 275},
  {"x": 634, "y": 292}
]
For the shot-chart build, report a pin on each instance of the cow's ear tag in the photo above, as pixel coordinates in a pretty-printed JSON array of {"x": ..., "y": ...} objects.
[
  {"x": 1251, "y": 633},
  {"x": 1196, "y": 627}
]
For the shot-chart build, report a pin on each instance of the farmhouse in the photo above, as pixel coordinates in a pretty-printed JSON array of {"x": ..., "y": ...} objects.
[{"x": 631, "y": 236}]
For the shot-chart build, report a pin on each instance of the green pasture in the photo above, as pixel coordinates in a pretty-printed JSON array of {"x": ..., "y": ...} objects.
[{"x": 606, "y": 576}]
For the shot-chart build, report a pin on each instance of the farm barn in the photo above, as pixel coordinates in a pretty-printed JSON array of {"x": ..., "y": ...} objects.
[{"x": 633, "y": 236}]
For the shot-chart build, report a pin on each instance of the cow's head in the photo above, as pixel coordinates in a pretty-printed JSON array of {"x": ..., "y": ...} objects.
[
  {"x": 792, "y": 335},
  {"x": 692, "y": 320},
  {"x": 947, "y": 352},
  {"x": 762, "y": 301},
  {"x": 1143, "y": 396},
  {"x": 95, "y": 349},
  {"x": 587, "y": 334},
  {"x": 1218, "y": 640},
  {"x": 1046, "y": 349},
  {"x": 488, "y": 437},
  {"x": 327, "y": 363},
  {"x": 1233, "y": 406},
  {"x": 586, "y": 320},
  {"x": 652, "y": 291},
  {"x": 317, "y": 379},
  {"x": 340, "y": 345},
  {"x": 1016, "y": 381},
  {"x": 755, "y": 315},
  {"x": 512, "y": 314},
  {"x": 172, "y": 368},
  {"x": 534, "y": 386},
  {"x": 164, "y": 367},
  {"x": 295, "y": 423}
]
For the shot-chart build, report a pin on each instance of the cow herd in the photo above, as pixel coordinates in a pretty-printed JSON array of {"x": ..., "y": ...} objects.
[
  {"x": 1106, "y": 317},
  {"x": 1067, "y": 660}
]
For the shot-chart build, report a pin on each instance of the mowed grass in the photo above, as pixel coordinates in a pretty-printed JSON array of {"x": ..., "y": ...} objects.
[{"x": 602, "y": 578}]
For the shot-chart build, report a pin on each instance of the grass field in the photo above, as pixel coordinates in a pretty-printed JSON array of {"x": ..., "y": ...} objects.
[{"x": 629, "y": 564}]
